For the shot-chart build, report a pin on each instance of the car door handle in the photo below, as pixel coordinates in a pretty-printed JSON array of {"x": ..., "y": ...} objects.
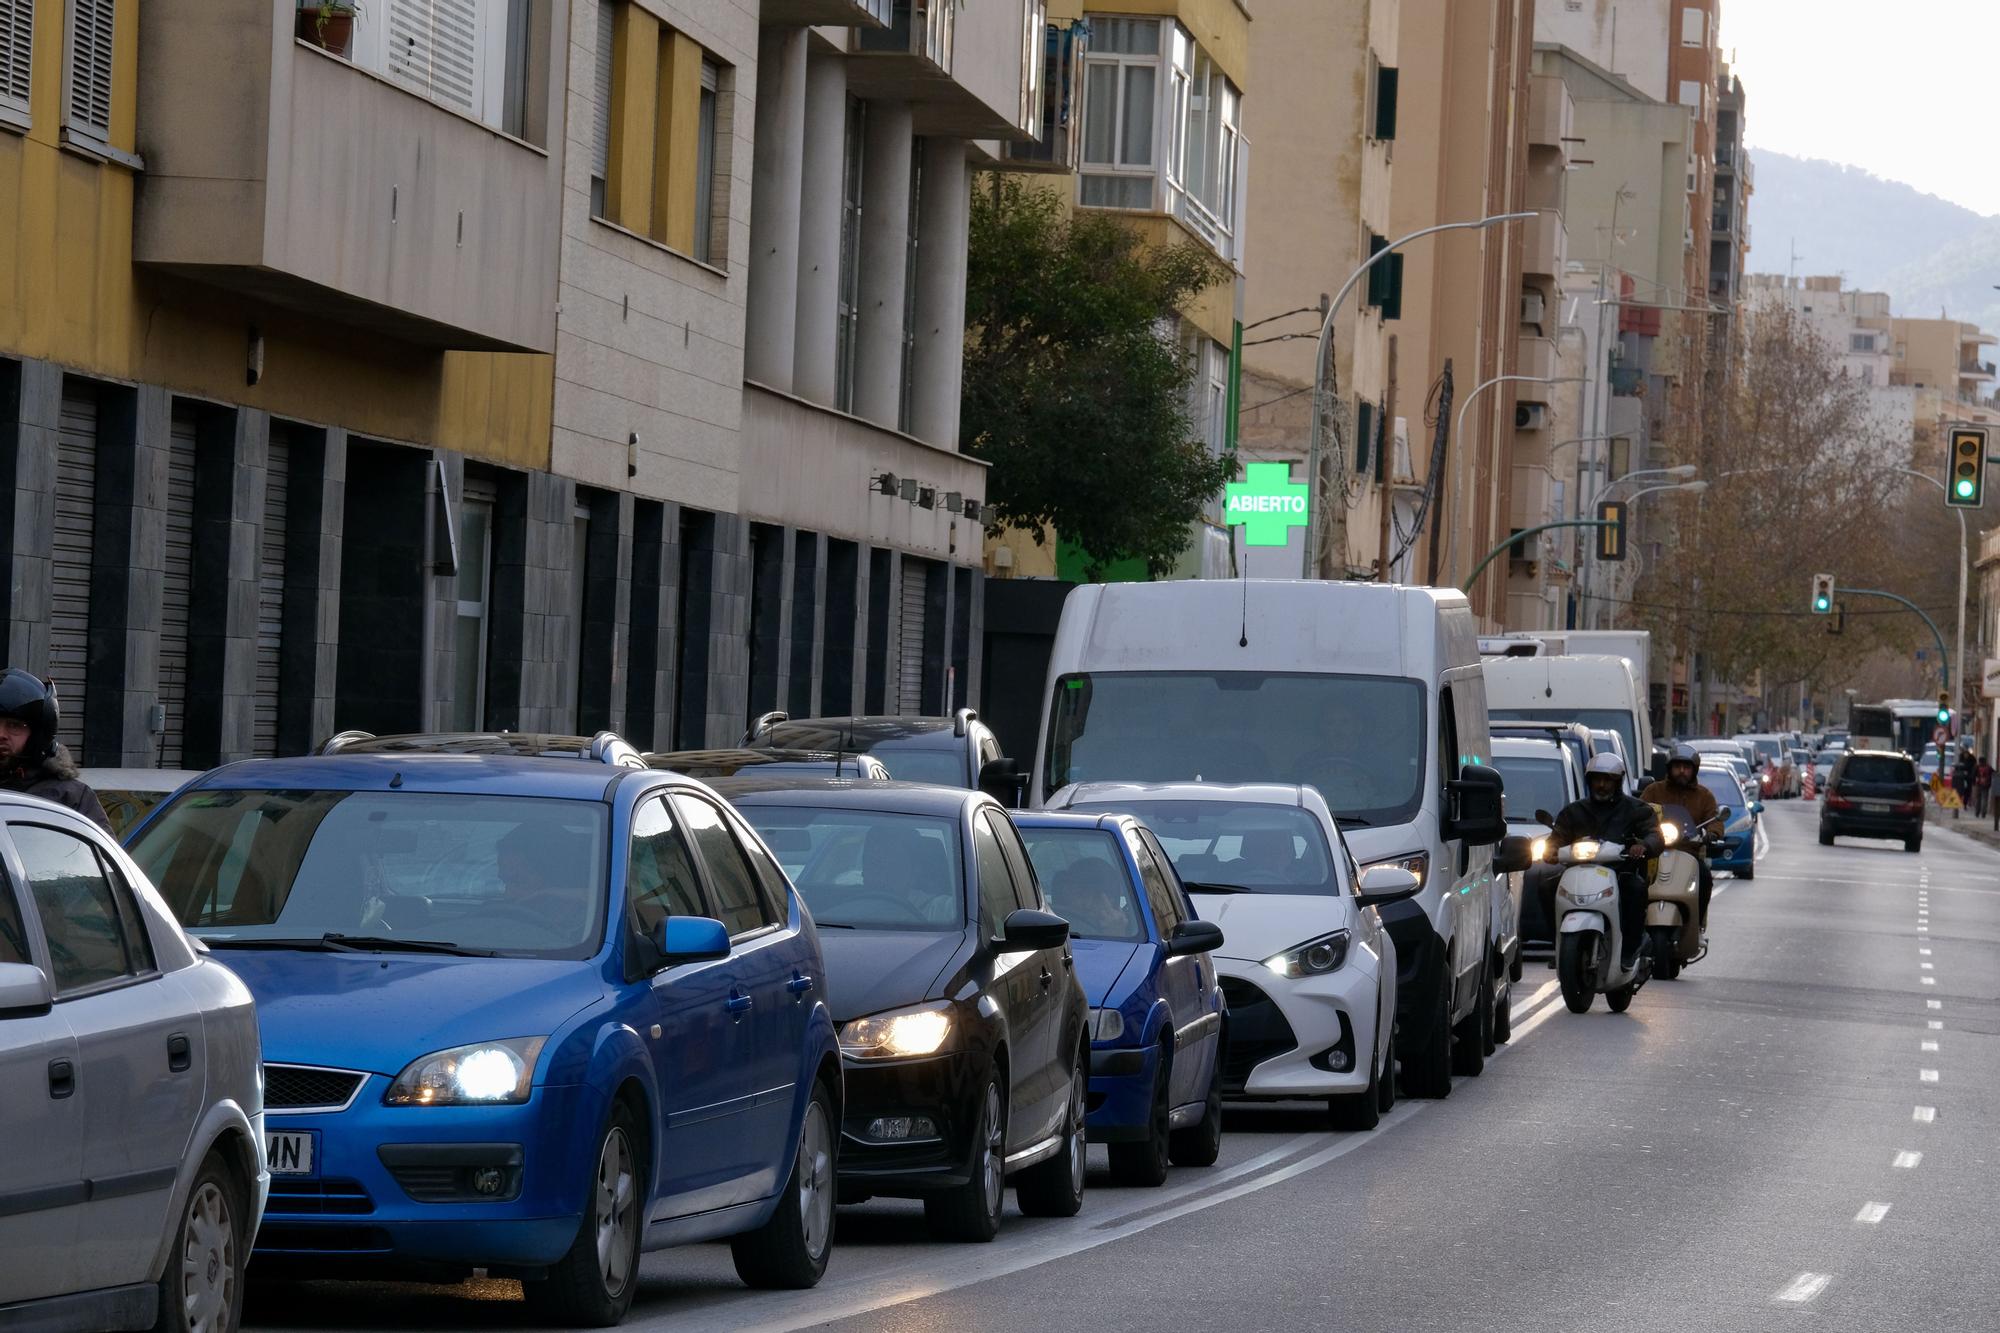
[
  {"x": 799, "y": 984},
  {"x": 180, "y": 1054},
  {"x": 1048, "y": 978},
  {"x": 62, "y": 1079},
  {"x": 737, "y": 1004}
]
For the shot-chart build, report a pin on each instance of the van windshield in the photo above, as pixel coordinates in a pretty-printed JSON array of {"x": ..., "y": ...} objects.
[
  {"x": 1361, "y": 740},
  {"x": 1597, "y": 719}
]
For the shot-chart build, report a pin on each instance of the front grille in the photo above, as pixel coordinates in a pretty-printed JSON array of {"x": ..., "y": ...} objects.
[
  {"x": 1257, "y": 1032},
  {"x": 319, "y": 1198},
  {"x": 298, "y": 1087}
]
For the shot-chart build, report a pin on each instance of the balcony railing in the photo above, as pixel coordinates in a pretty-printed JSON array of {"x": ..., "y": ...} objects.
[
  {"x": 920, "y": 28},
  {"x": 1059, "y": 147}
]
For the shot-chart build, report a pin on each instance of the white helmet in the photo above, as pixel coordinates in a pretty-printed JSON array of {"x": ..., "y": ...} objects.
[{"x": 1607, "y": 762}]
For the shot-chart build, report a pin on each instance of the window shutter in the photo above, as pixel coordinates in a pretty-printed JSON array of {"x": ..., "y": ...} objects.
[
  {"x": 433, "y": 48},
  {"x": 90, "y": 26},
  {"x": 1378, "y": 273},
  {"x": 17, "y": 43},
  {"x": 1385, "y": 103},
  {"x": 600, "y": 121},
  {"x": 1364, "y": 436}
]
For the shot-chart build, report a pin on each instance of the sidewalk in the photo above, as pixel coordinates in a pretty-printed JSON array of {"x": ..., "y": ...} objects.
[{"x": 1980, "y": 830}]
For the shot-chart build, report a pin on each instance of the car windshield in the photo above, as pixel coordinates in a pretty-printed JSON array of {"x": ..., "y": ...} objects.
[
  {"x": 1361, "y": 740},
  {"x": 1725, "y": 790},
  {"x": 940, "y": 768},
  {"x": 867, "y": 869},
  {"x": 1597, "y": 719},
  {"x": 1883, "y": 768},
  {"x": 516, "y": 875},
  {"x": 1532, "y": 784},
  {"x": 1086, "y": 881},
  {"x": 1241, "y": 845}
]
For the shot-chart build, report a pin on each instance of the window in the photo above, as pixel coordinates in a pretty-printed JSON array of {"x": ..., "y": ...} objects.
[
  {"x": 472, "y": 56},
  {"x": 1160, "y": 890},
  {"x": 88, "y": 91},
  {"x": 704, "y": 163},
  {"x": 1027, "y": 892},
  {"x": 475, "y": 568},
  {"x": 1861, "y": 342},
  {"x": 660, "y": 878},
  {"x": 1385, "y": 279},
  {"x": 93, "y": 928},
  {"x": 658, "y": 132},
  {"x": 1121, "y": 90},
  {"x": 906, "y": 403},
  {"x": 1690, "y": 94},
  {"x": 600, "y": 111},
  {"x": 1384, "y": 118},
  {"x": 1693, "y": 27},
  {"x": 850, "y": 254},
  {"x": 579, "y": 564},
  {"x": 17, "y": 49},
  {"x": 739, "y": 899},
  {"x": 869, "y": 869},
  {"x": 996, "y": 882},
  {"x": 13, "y": 927}
]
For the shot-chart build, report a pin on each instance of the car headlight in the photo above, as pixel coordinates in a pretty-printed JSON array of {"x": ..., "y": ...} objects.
[
  {"x": 1106, "y": 1025},
  {"x": 1538, "y": 850},
  {"x": 1313, "y": 958},
  {"x": 898, "y": 1034},
  {"x": 1585, "y": 850},
  {"x": 1418, "y": 865},
  {"x": 486, "y": 1073},
  {"x": 1669, "y": 834}
]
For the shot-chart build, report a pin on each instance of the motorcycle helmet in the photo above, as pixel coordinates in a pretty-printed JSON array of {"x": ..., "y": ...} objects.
[
  {"x": 26, "y": 698},
  {"x": 1685, "y": 754},
  {"x": 1605, "y": 765}
]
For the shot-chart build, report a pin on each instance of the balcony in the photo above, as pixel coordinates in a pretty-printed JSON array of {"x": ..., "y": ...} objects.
[
  {"x": 967, "y": 72},
  {"x": 1551, "y": 114},
  {"x": 1975, "y": 370},
  {"x": 1544, "y": 246},
  {"x": 381, "y": 203},
  {"x": 826, "y": 13},
  {"x": 1058, "y": 145}
]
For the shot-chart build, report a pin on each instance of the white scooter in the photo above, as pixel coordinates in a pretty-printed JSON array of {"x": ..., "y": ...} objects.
[
  {"x": 1589, "y": 945},
  {"x": 1673, "y": 899}
]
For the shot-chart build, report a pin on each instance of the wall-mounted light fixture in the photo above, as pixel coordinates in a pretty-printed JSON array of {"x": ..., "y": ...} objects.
[
  {"x": 954, "y": 502},
  {"x": 887, "y": 483},
  {"x": 908, "y": 490},
  {"x": 927, "y": 497}
]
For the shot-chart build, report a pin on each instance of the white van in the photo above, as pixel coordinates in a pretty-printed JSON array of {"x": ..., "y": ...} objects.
[
  {"x": 1603, "y": 693},
  {"x": 1370, "y": 693}
]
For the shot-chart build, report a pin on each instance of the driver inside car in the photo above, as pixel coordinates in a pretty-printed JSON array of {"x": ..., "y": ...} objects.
[
  {"x": 1608, "y": 815},
  {"x": 535, "y": 880}
]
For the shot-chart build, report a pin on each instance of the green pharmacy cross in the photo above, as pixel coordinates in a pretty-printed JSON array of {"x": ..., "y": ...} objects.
[{"x": 1267, "y": 504}]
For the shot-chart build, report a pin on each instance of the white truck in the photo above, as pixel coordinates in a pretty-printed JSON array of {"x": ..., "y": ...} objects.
[{"x": 1634, "y": 645}]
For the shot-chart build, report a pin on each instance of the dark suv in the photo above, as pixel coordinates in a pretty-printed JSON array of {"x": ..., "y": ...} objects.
[
  {"x": 1873, "y": 794},
  {"x": 955, "y": 751}
]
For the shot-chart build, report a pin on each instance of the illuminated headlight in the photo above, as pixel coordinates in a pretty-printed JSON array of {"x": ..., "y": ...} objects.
[
  {"x": 1585, "y": 850},
  {"x": 1538, "y": 850},
  {"x": 487, "y": 1073},
  {"x": 898, "y": 1034},
  {"x": 1106, "y": 1025},
  {"x": 1313, "y": 958},
  {"x": 1669, "y": 834},
  {"x": 1418, "y": 865}
]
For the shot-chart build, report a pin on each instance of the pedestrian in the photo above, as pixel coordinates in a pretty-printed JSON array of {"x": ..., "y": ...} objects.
[
  {"x": 1982, "y": 785},
  {"x": 1962, "y": 774},
  {"x": 32, "y": 760}
]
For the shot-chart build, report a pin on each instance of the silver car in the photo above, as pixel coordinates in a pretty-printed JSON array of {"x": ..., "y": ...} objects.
[{"x": 134, "y": 1105}]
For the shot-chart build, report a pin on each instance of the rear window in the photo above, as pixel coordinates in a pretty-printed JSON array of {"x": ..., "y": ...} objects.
[
  {"x": 867, "y": 869},
  {"x": 1883, "y": 768}
]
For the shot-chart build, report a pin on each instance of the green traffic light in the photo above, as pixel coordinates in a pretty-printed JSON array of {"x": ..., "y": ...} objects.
[
  {"x": 1965, "y": 488},
  {"x": 1820, "y": 604},
  {"x": 1944, "y": 715}
]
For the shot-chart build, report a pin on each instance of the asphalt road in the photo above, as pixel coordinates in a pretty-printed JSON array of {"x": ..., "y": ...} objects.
[{"x": 1802, "y": 1128}]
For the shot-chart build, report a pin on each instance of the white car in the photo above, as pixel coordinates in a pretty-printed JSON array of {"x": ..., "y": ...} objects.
[
  {"x": 129, "y": 794},
  {"x": 130, "y": 1062},
  {"x": 1308, "y": 969}
]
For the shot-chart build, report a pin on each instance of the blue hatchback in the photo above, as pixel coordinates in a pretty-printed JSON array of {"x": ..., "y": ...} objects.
[
  {"x": 1739, "y": 836},
  {"x": 529, "y": 1015},
  {"x": 1157, "y": 1014}
]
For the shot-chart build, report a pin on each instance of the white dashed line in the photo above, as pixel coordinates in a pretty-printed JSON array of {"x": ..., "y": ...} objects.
[
  {"x": 1906, "y": 1161},
  {"x": 1924, "y": 953},
  {"x": 1925, "y": 1115},
  {"x": 1872, "y": 1213},
  {"x": 1804, "y": 1287},
  {"x": 1930, "y": 981},
  {"x": 1936, "y": 1024},
  {"x": 1927, "y": 966},
  {"x": 1927, "y": 1076},
  {"x": 1927, "y": 1046},
  {"x": 1934, "y": 1004}
]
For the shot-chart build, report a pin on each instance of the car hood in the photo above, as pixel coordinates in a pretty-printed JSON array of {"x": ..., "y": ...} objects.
[
  {"x": 869, "y": 971},
  {"x": 1256, "y": 926},
  {"x": 381, "y": 1011},
  {"x": 1098, "y": 965}
]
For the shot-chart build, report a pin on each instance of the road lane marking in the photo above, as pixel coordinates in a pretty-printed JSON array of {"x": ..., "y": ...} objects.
[
  {"x": 1935, "y": 1004},
  {"x": 1925, "y": 1115},
  {"x": 1924, "y": 952},
  {"x": 1804, "y": 1287},
  {"x": 1935, "y": 1024},
  {"x": 1927, "y": 1076},
  {"x": 1930, "y": 981},
  {"x": 1872, "y": 1213},
  {"x": 1926, "y": 966},
  {"x": 1927, "y": 1046},
  {"x": 1907, "y": 1161}
]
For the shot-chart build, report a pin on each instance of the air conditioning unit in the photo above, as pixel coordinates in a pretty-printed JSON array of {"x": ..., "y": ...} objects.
[
  {"x": 1530, "y": 416},
  {"x": 1533, "y": 307}
]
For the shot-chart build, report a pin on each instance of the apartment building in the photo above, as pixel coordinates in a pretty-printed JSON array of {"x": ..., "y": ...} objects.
[{"x": 1735, "y": 182}]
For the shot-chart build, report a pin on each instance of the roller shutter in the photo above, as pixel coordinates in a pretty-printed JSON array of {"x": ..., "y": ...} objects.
[
  {"x": 910, "y": 637},
  {"x": 69, "y": 612},
  {"x": 177, "y": 582},
  {"x": 271, "y": 595}
]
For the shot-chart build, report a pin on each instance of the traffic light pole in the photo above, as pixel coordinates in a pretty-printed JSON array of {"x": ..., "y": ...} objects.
[
  {"x": 1964, "y": 560},
  {"x": 1922, "y": 615},
  {"x": 1526, "y": 533}
]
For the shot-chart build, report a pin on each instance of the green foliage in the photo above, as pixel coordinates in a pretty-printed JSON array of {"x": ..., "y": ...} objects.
[{"x": 1076, "y": 389}]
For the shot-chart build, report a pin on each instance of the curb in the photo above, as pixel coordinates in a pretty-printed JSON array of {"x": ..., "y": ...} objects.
[{"x": 1986, "y": 830}]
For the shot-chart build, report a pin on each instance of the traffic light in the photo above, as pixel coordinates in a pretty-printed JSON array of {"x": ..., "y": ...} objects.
[
  {"x": 1822, "y": 594},
  {"x": 1944, "y": 707},
  {"x": 1611, "y": 540},
  {"x": 1965, "y": 476},
  {"x": 1837, "y": 621}
]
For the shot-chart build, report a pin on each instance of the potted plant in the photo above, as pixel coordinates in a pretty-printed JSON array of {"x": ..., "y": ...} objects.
[{"x": 327, "y": 24}]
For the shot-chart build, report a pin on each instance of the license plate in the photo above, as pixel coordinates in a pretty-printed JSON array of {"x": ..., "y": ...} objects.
[
  {"x": 1873, "y": 805},
  {"x": 289, "y": 1154}
]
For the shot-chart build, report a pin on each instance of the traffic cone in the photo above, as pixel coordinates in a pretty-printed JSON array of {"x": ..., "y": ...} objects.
[{"x": 1811, "y": 792}]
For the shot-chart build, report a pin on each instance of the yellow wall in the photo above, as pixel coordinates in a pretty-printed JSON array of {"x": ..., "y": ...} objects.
[
  {"x": 69, "y": 293},
  {"x": 1220, "y": 27}
]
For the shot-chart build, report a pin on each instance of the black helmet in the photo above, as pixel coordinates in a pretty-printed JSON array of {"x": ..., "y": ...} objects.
[{"x": 27, "y": 698}]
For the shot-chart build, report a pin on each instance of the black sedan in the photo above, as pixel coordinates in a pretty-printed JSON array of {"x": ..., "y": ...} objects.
[{"x": 964, "y": 1033}]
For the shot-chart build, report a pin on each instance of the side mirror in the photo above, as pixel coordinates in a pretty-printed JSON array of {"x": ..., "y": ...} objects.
[
  {"x": 692, "y": 939},
  {"x": 1476, "y": 815},
  {"x": 1723, "y": 813},
  {"x": 1382, "y": 885},
  {"x": 24, "y": 991},
  {"x": 1026, "y": 930},
  {"x": 1756, "y": 807},
  {"x": 1001, "y": 779},
  {"x": 1515, "y": 855},
  {"x": 1194, "y": 937},
  {"x": 1545, "y": 819}
]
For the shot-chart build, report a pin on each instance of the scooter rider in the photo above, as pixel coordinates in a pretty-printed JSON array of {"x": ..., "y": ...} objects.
[
  {"x": 1683, "y": 788},
  {"x": 31, "y": 759},
  {"x": 1609, "y": 815}
]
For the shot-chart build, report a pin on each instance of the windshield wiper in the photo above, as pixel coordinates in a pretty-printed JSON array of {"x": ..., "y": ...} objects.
[
  {"x": 256, "y": 942},
  {"x": 387, "y": 943},
  {"x": 1352, "y": 821},
  {"x": 833, "y": 925},
  {"x": 1196, "y": 886}
]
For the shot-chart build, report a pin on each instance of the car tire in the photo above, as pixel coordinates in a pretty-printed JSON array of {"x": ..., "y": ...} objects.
[
  {"x": 1503, "y": 1017},
  {"x": 1385, "y": 1090},
  {"x": 1144, "y": 1163},
  {"x": 1475, "y": 1035},
  {"x": 1747, "y": 873},
  {"x": 971, "y": 1212},
  {"x": 789, "y": 1252},
  {"x": 1357, "y": 1112},
  {"x": 1054, "y": 1188},
  {"x": 1913, "y": 845},
  {"x": 1200, "y": 1144},
  {"x": 1825, "y": 838},
  {"x": 202, "y": 1287},
  {"x": 1427, "y": 1071},
  {"x": 592, "y": 1285}
]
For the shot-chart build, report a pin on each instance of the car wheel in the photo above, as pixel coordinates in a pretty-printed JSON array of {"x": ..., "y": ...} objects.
[
  {"x": 1825, "y": 838},
  {"x": 1357, "y": 1111},
  {"x": 1054, "y": 1188},
  {"x": 1748, "y": 872},
  {"x": 1475, "y": 1035},
  {"x": 1200, "y": 1144},
  {"x": 202, "y": 1288},
  {"x": 1427, "y": 1072},
  {"x": 972, "y": 1211},
  {"x": 1385, "y": 1087},
  {"x": 1913, "y": 845},
  {"x": 592, "y": 1285},
  {"x": 789, "y": 1252},
  {"x": 1145, "y": 1163},
  {"x": 1503, "y": 1015}
]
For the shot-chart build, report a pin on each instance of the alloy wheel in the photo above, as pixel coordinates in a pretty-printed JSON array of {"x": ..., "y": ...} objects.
[
  {"x": 617, "y": 1202},
  {"x": 993, "y": 1173},
  {"x": 1079, "y": 1151},
  {"x": 815, "y": 1175}
]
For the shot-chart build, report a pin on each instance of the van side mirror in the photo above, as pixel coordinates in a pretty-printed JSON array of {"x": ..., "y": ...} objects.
[
  {"x": 1515, "y": 855},
  {"x": 1382, "y": 885},
  {"x": 1475, "y": 815},
  {"x": 24, "y": 991},
  {"x": 1001, "y": 779}
]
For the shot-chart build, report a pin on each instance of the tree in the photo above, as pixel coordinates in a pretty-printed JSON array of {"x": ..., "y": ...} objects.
[{"x": 1076, "y": 388}]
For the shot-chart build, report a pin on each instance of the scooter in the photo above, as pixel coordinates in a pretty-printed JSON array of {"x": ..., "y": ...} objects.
[
  {"x": 1673, "y": 899},
  {"x": 1589, "y": 947}
]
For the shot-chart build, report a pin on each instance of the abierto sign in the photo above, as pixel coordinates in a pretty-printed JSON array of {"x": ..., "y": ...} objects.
[
  {"x": 1267, "y": 504},
  {"x": 1989, "y": 681}
]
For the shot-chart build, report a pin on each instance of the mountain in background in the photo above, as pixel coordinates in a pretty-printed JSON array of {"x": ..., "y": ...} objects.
[{"x": 1928, "y": 253}]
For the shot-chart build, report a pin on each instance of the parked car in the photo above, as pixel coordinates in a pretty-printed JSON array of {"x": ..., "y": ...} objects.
[
  {"x": 707, "y": 764},
  {"x": 955, "y": 751},
  {"x": 606, "y": 747},
  {"x": 1873, "y": 794},
  {"x": 134, "y": 1179},
  {"x": 1308, "y": 969},
  {"x": 127, "y": 794},
  {"x": 529, "y": 1015},
  {"x": 1739, "y": 832},
  {"x": 1157, "y": 1017},
  {"x": 964, "y": 1033},
  {"x": 1541, "y": 776}
]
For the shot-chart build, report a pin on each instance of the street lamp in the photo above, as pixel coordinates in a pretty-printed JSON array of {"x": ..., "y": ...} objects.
[
  {"x": 1458, "y": 453},
  {"x": 1321, "y": 361}
]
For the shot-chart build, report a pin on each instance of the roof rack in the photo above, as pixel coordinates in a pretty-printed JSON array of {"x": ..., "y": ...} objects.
[
  {"x": 339, "y": 741},
  {"x": 764, "y": 722},
  {"x": 606, "y": 747},
  {"x": 962, "y": 719}
]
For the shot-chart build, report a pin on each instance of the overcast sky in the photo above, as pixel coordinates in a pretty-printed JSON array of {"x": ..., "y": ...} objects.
[{"x": 1893, "y": 88}]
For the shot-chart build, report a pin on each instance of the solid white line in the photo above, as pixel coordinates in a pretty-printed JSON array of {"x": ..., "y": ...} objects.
[
  {"x": 1927, "y": 1046},
  {"x": 1804, "y": 1287},
  {"x": 1872, "y": 1213},
  {"x": 1927, "y": 1076},
  {"x": 1925, "y": 1115},
  {"x": 1906, "y": 1161}
]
